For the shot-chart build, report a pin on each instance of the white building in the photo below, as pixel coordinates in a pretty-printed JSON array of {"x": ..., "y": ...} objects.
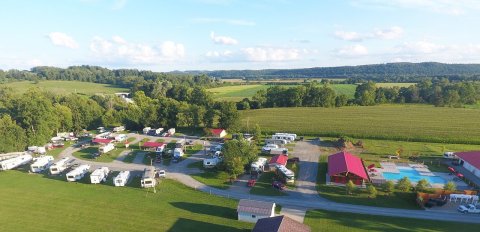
[
  {"x": 471, "y": 161},
  {"x": 251, "y": 211}
]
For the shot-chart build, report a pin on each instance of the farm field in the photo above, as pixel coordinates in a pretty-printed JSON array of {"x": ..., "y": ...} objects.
[
  {"x": 390, "y": 85},
  {"x": 66, "y": 87},
  {"x": 392, "y": 122},
  {"x": 86, "y": 207},
  {"x": 320, "y": 220}
]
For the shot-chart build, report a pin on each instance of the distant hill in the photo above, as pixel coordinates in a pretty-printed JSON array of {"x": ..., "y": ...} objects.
[{"x": 374, "y": 71}]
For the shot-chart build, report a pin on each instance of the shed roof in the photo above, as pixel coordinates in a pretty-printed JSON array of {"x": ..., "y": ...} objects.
[
  {"x": 471, "y": 157},
  {"x": 346, "y": 162},
  {"x": 279, "y": 224},
  {"x": 153, "y": 144},
  {"x": 279, "y": 159},
  {"x": 217, "y": 131},
  {"x": 99, "y": 140},
  {"x": 256, "y": 207}
]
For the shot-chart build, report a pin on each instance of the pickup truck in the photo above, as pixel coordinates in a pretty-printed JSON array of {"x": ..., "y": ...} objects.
[{"x": 470, "y": 208}]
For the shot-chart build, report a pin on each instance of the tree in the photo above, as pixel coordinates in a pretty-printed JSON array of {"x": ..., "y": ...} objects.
[
  {"x": 64, "y": 117},
  {"x": 237, "y": 154},
  {"x": 209, "y": 117},
  {"x": 257, "y": 133},
  {"x": 404, "y": 184},
  {"x": 341, "y": 100},
  {"x": 372, "y": 191},
  {"x": 350, "y": 187},
  {"x": 229, "y": 118},
  {"x": 450, "y": 186},
  {"x": 422, "y": 185},
  {"x": 389, "y": 186},
  {"x": 365, "y": 94},
  {"x": 13, "y": 136}
]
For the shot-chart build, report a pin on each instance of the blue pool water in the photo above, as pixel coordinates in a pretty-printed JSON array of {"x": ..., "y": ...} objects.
[{"x": 413, "y": 175}]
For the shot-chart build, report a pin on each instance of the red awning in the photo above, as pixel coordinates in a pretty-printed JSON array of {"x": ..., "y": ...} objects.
[
  {"x": 153, "y": 144},
  {"x": 104, "y": 141}
]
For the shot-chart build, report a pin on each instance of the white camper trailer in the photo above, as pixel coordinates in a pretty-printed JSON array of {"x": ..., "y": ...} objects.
[
  {"x": 279, "y": 142},
  {"x": 285, "y": 173},
  {"x": 41, "y": 163},
  {"x": 99, "y": 175},
  {"x": 177, "y": 153},
  {"x": 146, "y": 130},
  {"x": 259, "y": 165},
  {"x": 37, "y": 150},
  {"x": 59, "y": 166},
  {"x": 171, "y": 131},
  {"x": 106, "y": 148},
  {"x": 288, "y": 134},
  {"x": 148, "y": 178},
  {"x": 118, "y": 128},
  {"x": 211, "y": 163},
  {"x": 77, "y": 173},
  {"x": 121, "y": 179},
  {"x": 120, "y": 137},
  {"x": 15, "y": 162},
  {"x": 287, "y": 137}
]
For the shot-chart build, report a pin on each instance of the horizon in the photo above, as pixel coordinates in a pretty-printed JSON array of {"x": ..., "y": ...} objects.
[{"x": 206, "y": 35}]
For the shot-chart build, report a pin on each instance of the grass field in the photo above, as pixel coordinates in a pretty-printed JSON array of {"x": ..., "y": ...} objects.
[
  {"x": 211, "y": 177},
  {"x": 327, "y": 221},
  {"x": 393, "y": 122},
  {"x": 66, "y": 87},
  {"x": 390, "y": 85},
  {"x": 36, "y": 203}
]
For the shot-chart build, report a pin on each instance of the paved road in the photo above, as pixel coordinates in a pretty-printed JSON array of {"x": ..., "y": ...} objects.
[{"x": 178, "y": 172}]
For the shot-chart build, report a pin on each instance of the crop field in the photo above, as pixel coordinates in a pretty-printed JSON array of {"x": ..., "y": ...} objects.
[
  {"x": 239, "y": 92},
  {"x": 390, "y": 85},
  {"x": 66, "y": 87},
  {"x": 392, "y": 122},
  {"x": 38, "y": 203}
]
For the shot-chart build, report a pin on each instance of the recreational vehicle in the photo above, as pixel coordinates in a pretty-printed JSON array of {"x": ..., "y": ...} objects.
[
  {"x": 285, "y": 174},
  {"x": 177, "y": 153},
  {"x": 120, "y": 137},
  {"x": 99, "y": 175},
  {"x": 148, "y": 178},
  {"x": 287, "y": 134},
  {"x": 259, "y": 165},
  {"x": 211, "y": 163},
  {"x": 41, "y": 163},
  {"x": 106, "y": 148},
  {"x": 287, "y": 137},
  {"x": 279, "y": 142},
  {"x": 78, "y": 173},
  {"x": 118, "y": 128},
  {"x": 269, "y": 147},
  {"x": 171, "y": 132},
  {"x": 146, "y": 130},
  {"x": 37, "y": 150},
  {"x": 15, "y": 162},
  {"x": 59, "y": 166},
  {"x": 155, "y": 132},
  {"x": 449, "y": 155},
  {"x": 121, "y": 179}
]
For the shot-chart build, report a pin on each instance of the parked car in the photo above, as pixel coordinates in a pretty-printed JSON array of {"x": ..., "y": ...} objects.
[
  {"x": 470, "y": 208},
  {"x": 162, "y": 173},
  {"x": 278, "y": 185},
  {"x": 269, "y": 147},
  {"x": 251, "y": 182}
]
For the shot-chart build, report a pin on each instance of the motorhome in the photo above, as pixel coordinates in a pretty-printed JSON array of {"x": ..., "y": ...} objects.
[
  {"x": 278, "y": 151},
  {"x": 259, "y": 165},
  {"x": 212, "y": 162},
  {"x": 285, "y": 174},
  {"x": 121, "y": 179},
  {"x": 41, "y": 163},
  {"x": 148, "y": 178},
  {"x": 78, "y": 173},
  {"x": 99, "y": 175},
  {"x": 15, "y": 162},
  {"x": 59, "y": 166},
  {"x": 279, "y": 142},
  {"x": 146, "y": 130},
  {"x": 287, "y": 137},
  {"x": 118, "y": 128},
  {"x": 106, "y": 148}
]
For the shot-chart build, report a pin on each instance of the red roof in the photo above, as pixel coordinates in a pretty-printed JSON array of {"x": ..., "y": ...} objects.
[
  {"x": 153, "y": 144},
  {"x": 471, "y": 157},
  {"x": 279, "y": 159},
  {"x": 105, "y": 141},
  {"x": 217, "y": 131},
  {"x": 345, "y": 162}
]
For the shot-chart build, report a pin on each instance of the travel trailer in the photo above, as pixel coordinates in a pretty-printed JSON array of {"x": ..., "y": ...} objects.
[
  {"x": 285, "y": 174},
  {"x": 59, "y": 166},
  {"x": 121, "y": 179},
  {"x": 99, "y": 175},
  {"x": 15, "y": 162},
  {"x": 259, "y": 165},
  {"x": 279, "y": 142},
  {"x": 146, "y": 130},
  {"x": 78, "y": 173},
  {"x": 211, "y": 163},
  {"x": 148, "y": 178},
  {"x": 106, "y": 148},
  {"x": 41, "y": 163},
  {"x": 120, "y": 137},
  {"x": 118, "y": 128}
]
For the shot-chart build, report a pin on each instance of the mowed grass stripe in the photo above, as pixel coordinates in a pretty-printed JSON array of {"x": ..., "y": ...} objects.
[{"x": 404, "y": 122}]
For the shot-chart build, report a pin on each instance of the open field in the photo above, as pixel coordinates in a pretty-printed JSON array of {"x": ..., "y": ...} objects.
[
  {"x": 390, "y": 85},
  {"x": 211, "y": 177},
  {"x": 392, "y": 122},
  {"x": 55, "y": 205},
  {"x": 327, "y": 221},
  {"x": 66, "y": 87}
]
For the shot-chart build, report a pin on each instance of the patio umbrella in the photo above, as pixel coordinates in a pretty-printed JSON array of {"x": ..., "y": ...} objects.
[
  {"x": 451, "y": 169},
  {"x": 371, "y": 166},
  {"x": 459, "y": 175}
]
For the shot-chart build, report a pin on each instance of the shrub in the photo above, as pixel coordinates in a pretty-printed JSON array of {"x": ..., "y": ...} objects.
[
  {"x": 372, "y": 191},
  {"x": 389, "y": 186},
  {"x": 450, "y": 186},
  {"x": 404, "y": 184},
  {"x": 422, "y": 185},
  {"x": 350, "y": 187}
]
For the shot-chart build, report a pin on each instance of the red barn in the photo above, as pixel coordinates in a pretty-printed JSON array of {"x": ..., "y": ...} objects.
[{"x": 344, "y": 166}]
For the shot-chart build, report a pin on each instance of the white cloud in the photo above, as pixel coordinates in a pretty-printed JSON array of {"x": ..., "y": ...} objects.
[
  {"x": 224, "y": 40},
  {"x": 394, "y": 32},
  {"x": 235, "y": 22},
  {"x": 352, "y": 51},
  {"x": 450, "y": 7},
  {"x": 265, "y": 54},
  {"x": 63, "y": 40},
  {"x": 226, "y": 53},
  {"x": 420, "y": 47},
  {"x": 118, "y": 49}
]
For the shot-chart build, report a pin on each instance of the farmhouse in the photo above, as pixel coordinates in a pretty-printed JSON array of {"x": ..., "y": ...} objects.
[
  {"x": 277, "y": 160},
  {"x": 471, "y": 161},
  {"x": 280, "y": 224},
  {"x": 251, "y": 211},
  {"x": 219, "y": 133},
  {"x": 344, "y": 166}
]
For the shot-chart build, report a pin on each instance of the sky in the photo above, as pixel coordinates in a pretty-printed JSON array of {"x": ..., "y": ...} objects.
[{"x": 168, "y": 35}]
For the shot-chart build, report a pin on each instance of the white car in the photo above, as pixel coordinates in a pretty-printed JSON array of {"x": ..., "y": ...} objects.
[
  {"x": 470, "y": 208},
  {"x": 269, "y": 147},
  {"x": 162, "y": 173}
]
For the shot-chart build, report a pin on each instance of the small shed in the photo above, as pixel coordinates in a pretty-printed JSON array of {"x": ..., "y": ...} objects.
[
  {"x": 280, "y": 224},
  {"x": 251, "y": 211},
  {"x": 277, "y": 160},
  {"x": 344, "y": 166},
  {"x": 219, "y": 133},
  {"x": 471, "y": 161}
]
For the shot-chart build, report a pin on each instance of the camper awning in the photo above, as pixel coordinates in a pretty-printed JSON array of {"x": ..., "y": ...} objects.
[
  {"x": 104, "y": 141},
  {"x": 153, "y": 144}
]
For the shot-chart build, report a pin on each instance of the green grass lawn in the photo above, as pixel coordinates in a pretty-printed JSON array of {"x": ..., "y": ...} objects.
[
  {"x": 56, "y": 151},
  {"x": 66, "y": 87},
  {"x": 264, "y": 186},
  {"x": 190, "y": 150},
  {"x": 86, "y": 154},
  {"x": 55, "y": 205},
  {"x": 211, "y": 177},
  {"x": 328, "y": 221},
  {"x": 392, "y": 122}
]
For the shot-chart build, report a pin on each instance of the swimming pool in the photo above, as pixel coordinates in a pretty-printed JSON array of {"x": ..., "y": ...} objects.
[{"x": 413, "y": 175}]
